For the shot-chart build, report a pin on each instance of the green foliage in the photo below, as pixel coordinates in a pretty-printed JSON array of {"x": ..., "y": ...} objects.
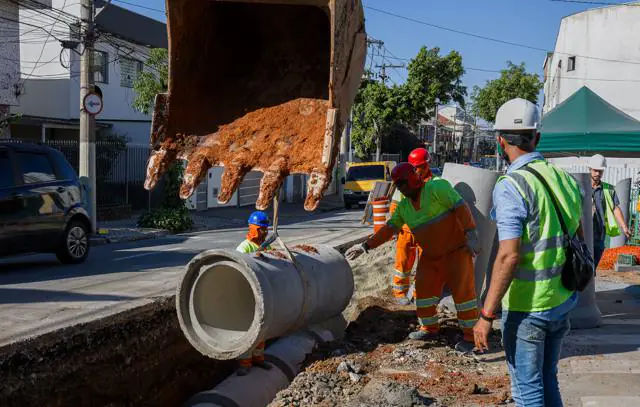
[
  {"x": 172, "y": 215},
  {"x": 149, "y": 83},
  {"x": 379, "y": 108},
  {"x": 514, "y": 82}
]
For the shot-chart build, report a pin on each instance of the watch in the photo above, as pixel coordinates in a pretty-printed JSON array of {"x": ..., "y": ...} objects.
[{"x": 487, "y": 316}]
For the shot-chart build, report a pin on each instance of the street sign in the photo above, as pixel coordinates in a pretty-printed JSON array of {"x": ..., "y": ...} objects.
[{"x": 92, "y": 103}]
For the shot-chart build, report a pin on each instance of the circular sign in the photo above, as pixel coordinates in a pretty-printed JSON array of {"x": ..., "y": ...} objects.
[{"x": 92, "y": 103}]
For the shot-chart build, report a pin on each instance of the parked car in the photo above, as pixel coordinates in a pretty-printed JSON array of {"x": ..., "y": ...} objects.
[
  {"x": 42, "y": 204},
  {"x": 361, "y": 179}
]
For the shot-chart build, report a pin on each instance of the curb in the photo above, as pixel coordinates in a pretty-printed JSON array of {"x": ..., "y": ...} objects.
[{"x": 101, "y": 241}]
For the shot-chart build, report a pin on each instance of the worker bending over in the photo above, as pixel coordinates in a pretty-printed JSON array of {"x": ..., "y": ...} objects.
[
  {"x": 407, "y": 248},
  {"x": 444, "y": 228},
  {"x": 258, "y": 230}
]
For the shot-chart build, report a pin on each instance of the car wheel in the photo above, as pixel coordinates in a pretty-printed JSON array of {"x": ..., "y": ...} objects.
[{"x": 74, "y": 247}]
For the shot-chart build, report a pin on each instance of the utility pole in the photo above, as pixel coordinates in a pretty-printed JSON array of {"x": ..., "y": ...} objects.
[
  {"x": 383, "y": 75},
  {"x": 435, "y": 135},
  {"x": 87, "y": 121}
]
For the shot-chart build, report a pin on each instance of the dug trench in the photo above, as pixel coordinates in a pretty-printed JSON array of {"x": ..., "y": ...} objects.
[{"x": 140, "y": 358}]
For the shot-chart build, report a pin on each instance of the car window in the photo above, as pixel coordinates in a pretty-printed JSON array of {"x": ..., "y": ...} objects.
[
  {"x": 65, "y": 170},
  {"x": 365, "y": 173},
  {"x": 6, "y": 172},
  {"x": 36, "y": 168}
]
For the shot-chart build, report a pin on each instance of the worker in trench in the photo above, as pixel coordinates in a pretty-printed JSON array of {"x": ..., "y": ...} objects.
[
  {"x": 444, "y": 228},
  {"x": 258, "y": 230},
  {"x": 407, "y": 249}
]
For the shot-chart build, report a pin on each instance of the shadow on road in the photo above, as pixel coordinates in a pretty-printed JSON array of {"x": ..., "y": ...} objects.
[{"x": 29, "y": 295}]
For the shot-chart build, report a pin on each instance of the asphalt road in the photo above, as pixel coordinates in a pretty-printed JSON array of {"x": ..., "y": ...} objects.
[{"x": 38, "y": 294}]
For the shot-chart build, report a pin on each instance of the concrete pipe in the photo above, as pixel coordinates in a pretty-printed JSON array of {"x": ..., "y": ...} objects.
[
  {"x": 227, "y": 302},
  {"x": 476, "y": 187},
  {"x": 587, "y": 314},
  {"x": 286, "y": 356},
  {"x": 623, "y": 190}
]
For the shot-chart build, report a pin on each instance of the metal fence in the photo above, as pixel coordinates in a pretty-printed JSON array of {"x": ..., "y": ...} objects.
[{"x": 120, "y": 171}]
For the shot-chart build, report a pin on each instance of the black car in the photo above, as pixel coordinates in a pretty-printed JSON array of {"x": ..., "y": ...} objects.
[{"x": 42, "y": 204}]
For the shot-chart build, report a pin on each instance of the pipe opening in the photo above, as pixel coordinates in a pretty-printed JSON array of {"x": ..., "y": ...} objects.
[{"x": 223, "y": 305}]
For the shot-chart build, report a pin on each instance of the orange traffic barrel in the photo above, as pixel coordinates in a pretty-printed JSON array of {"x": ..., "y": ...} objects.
[{"x": 380, "y": 212}]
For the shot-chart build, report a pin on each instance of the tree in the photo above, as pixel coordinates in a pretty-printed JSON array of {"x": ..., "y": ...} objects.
[
  {"x": 379, "y": 108},
  {"x": 149, "y": 83},
  {"x": 514, "y": 82}
]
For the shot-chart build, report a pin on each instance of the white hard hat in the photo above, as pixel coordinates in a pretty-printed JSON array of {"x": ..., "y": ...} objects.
[
  {"x": 598, "y": 162},
  {"x": 517, "y": 115}
]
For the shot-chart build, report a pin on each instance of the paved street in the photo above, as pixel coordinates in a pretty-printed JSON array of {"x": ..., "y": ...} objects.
[{"x": 37, "y": 294}]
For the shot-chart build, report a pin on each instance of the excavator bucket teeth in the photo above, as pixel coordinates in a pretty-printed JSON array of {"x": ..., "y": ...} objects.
[{"x": 263, "y": 85}]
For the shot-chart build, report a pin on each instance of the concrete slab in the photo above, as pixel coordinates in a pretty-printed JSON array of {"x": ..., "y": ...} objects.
[
  {"x": 605, "y": 366},
  {"x": 599, "y": 385}
]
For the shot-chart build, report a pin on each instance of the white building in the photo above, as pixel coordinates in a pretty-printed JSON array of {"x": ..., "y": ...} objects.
[
  {"x": 598, "y": 48},
  {"x": 9, "y": 60},
  {"x": 50, "y": 93}
]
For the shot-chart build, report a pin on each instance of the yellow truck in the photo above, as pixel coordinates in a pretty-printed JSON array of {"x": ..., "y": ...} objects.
[{"x": 361, "y": 178}]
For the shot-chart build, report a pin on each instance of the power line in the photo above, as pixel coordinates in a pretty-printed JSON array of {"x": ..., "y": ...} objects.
[
  {"x": 497, "y": 40},
  {"x": 139, "y": 6}
]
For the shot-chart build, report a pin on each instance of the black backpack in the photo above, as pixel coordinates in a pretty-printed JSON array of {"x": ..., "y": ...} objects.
[{"x": 579, "y": 267}]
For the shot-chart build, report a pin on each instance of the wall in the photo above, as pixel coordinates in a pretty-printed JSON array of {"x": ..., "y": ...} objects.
[
  {"x": 9, "y": 53},
  {"x": 610, "y": 33},
  {"x": 137, "y": 133}
]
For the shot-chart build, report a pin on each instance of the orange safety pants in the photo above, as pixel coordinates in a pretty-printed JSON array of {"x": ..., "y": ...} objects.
[
  {"x": 254, "y": 356},
  {"x": 457, "y": 272},
  {"x": 406, "y": 251}
]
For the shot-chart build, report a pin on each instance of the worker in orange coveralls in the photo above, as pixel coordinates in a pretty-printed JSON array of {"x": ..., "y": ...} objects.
[
  {"x": 406, "y": 247},
  {"x": 444, "y": 228},
  {"x": 258, "y": 230}
]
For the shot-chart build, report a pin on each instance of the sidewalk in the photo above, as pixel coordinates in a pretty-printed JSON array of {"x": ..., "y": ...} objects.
[
  {"x": 127, "y": 230},
  {"x": 601, "y": 367}
]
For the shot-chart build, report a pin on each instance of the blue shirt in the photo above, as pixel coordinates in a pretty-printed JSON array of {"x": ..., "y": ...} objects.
[{"x": 510, "y": 213}]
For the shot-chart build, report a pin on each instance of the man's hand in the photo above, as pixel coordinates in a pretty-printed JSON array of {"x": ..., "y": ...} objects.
[
  {"x": 626, "y": 232},
  {"x": 481, "y": 334},
  {"x": 355, "y": 251}
]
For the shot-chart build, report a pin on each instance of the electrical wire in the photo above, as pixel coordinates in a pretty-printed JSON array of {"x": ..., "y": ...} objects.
[{"x": 497, "y": 40}]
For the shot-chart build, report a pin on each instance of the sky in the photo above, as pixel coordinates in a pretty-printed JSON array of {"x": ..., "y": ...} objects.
[{"x": 531, "y": 22}]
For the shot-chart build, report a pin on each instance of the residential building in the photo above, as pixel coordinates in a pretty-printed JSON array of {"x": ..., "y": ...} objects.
[
  {"x": 599, "y": 49},
  {"x": 9, "y": 61},
  {"x": 49, "y": 94}
]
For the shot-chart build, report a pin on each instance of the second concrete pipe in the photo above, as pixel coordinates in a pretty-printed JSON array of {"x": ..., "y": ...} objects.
[{"x": 227, "y": 302}]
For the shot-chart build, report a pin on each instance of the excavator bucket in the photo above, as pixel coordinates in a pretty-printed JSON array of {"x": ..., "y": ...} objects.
[{"x": 262, "y": 85}]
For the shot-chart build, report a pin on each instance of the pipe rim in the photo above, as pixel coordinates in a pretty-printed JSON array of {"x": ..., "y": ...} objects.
[{"x": 191, "y": 326}]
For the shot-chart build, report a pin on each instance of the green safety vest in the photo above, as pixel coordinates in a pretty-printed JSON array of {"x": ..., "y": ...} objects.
[
  {"x": 611, "y": 227},
  {"x": 247, "y": 247},
  {"x": 536, "y": 284}
]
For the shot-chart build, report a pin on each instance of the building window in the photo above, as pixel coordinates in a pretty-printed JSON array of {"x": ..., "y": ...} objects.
[
  {"x": 129, "y": 71},
  {"x": 100, "y": 67},
  {"x": 571, "y": 65}
]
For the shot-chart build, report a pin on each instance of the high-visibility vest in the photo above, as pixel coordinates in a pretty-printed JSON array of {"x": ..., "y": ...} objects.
[
  {"x": 536, "y": 284},
  {"x": 247, "y": 247},
  {"x": 611, "y": 227}
]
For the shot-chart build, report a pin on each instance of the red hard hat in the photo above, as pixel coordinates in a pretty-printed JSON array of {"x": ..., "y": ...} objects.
[
  {"x": 419, "y": 156},
  {"x": 406, "y": 172}
]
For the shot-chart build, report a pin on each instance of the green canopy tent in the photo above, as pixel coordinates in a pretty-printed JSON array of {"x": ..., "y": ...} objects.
[{"x": 586, "y": 123}]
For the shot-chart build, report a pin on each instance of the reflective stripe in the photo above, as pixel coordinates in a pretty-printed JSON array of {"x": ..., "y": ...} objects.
[
  {"x": 379, "y": 222},
  {"x": 533, "y": 210},
  {"x": 555, "y": 242},
  {"x": 427, "y": 302},
  {"x": 428, "y": 321},
  {"x": 537, "y": 275},
  {"x": 402, "y": 274},
  {"x": 467, "y": 323},
  {"x": 400, "y": 287},
  {"x": 467, "y": 306},
  {"x": 377, "y": 206}
]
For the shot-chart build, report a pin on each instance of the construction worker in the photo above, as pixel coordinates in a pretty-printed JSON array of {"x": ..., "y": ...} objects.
[
  {"x": 527, "y": 272},
  {"x": 258, "y": 230},
  {"x": 444, "y": 228},
  {"x": 606, "y": 208},
  {"x": 407, "y": 248}
]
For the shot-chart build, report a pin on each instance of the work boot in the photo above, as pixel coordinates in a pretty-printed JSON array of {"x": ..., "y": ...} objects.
[
  {"x": 464, "y": 347},
  {"x": 403, "y": 301},
  {"x": 262, "y": 365},
  {"x": 423, "y": 335}
]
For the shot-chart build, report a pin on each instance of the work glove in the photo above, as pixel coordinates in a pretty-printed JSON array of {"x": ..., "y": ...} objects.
[
  {"x": 356, "y": 251},
  {"x": 473, "y": 242}
]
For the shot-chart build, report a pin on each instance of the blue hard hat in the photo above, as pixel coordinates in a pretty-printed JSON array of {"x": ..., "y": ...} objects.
[{"x": 259, "y": 218}]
